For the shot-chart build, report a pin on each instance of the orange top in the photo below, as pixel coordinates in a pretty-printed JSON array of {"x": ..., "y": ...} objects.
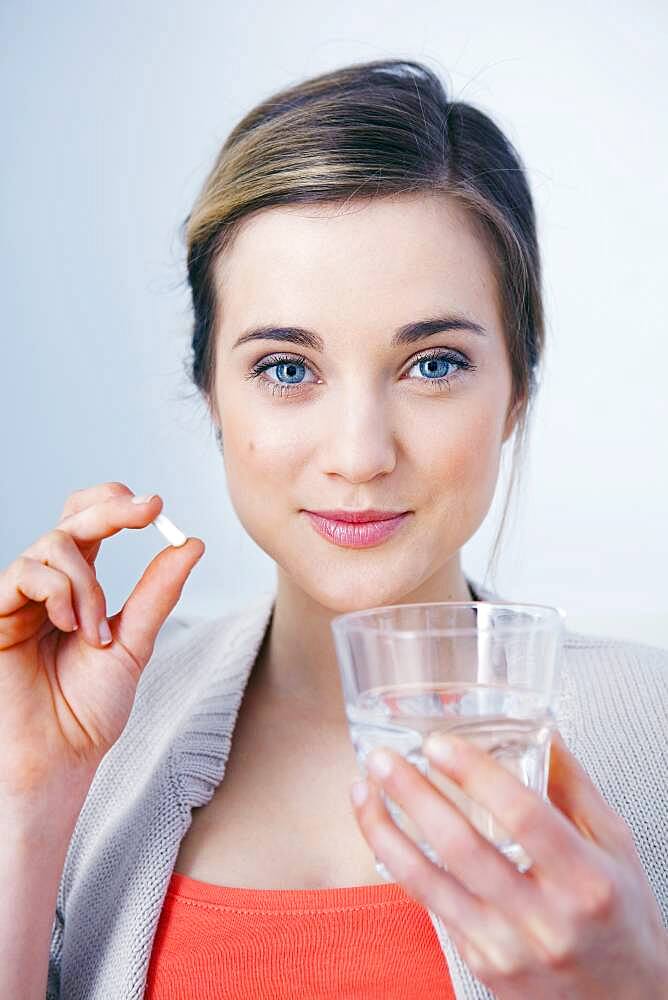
[{"x": 367, "y": 942}]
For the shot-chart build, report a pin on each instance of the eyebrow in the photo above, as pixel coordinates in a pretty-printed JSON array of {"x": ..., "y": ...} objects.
[{"x": 407, "y": 334}]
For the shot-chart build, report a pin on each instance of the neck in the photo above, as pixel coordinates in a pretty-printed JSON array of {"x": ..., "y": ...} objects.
[{"x": 297, "y": 663}]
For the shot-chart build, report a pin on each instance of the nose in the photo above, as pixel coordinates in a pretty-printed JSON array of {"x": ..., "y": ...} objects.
[{"x": 359, "y": 442}]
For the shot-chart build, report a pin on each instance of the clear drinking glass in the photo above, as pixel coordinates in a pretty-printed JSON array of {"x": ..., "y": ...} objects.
[{"x": 488, "y": 672}]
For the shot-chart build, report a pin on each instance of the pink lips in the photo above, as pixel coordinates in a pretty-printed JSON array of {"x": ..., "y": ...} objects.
[{"x": 353, "y": 529}]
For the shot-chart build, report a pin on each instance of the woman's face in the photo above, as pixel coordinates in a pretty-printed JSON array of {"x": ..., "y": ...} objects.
[{"x": 358, "y": 421}]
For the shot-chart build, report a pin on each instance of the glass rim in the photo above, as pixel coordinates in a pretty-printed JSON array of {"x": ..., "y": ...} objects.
[{"x": 354, "y": 620}]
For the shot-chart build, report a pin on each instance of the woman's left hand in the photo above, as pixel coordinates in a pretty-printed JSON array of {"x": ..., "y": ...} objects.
[{"x": 581, "y": 923}]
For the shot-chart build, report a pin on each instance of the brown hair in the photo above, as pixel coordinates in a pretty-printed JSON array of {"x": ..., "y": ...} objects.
[{"x": 363, "y": 131}]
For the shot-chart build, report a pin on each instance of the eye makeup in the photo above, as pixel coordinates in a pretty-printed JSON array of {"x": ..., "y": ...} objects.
[{"x": 454, "y": 359}]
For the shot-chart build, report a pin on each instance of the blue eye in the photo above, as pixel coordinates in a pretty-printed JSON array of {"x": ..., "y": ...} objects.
[
  {"x": 436, "y": 367},
  {"x": 291, "y": 370}
]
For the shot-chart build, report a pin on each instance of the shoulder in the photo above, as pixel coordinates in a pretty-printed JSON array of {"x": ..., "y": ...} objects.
[
  {"x": 621, "y": 660},
  {"x": 197, "y": 673},
  {"x": 192, "y": 648},
  {"x": 574, "y": 638},
  {"x": 599, "y": 652},
  {"x": 614, "y": 699},
  {"x": 198, "y": 666}
]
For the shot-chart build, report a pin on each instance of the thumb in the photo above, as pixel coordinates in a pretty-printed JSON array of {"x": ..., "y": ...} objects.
[{"x": 154, "y": 597}]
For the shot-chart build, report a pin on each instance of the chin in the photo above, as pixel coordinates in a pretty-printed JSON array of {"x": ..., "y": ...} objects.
[
  {"x": 346, "y": 579},
  {"x": 355, "y": 590}
]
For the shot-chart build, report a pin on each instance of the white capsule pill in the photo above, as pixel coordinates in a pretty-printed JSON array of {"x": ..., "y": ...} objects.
[{"x": 169, "y": 530}]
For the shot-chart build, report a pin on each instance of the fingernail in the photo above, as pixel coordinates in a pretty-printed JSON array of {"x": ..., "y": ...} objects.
[
  {"x": 440, "y": 747},
  {"x": 144, "y": 498},
  {"x": 105, "y": 632},
  {"x": 359, "y": 792},
  {"x": 379, "y": 763}
]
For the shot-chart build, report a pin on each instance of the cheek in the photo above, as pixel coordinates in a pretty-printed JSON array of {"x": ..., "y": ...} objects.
[
  {"x": 460, "y": 456},
  {"x": 261, "y": 465},
  {"x": 256, "y": 440},
  {"x": 263, "y": 451},
  {"x": 456, "y": 475}
]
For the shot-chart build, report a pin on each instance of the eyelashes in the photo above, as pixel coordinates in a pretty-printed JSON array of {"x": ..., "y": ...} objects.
[{"x": 440, "y": 382}]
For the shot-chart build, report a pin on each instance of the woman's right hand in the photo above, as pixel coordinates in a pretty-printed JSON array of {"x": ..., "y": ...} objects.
[{"x": 65, "y": 697}]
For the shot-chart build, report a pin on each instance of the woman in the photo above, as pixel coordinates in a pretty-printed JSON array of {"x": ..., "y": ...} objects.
[{"x": 368, "y": 329}]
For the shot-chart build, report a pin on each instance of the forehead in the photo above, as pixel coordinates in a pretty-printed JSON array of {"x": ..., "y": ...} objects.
[{"x": 365, "y": 265}]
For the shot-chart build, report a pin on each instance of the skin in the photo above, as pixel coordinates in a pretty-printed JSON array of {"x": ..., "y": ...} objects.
[{"x": 359, "y": 431}]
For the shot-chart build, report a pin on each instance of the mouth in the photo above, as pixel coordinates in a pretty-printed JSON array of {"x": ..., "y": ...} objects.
[
  {"x": 358, "y": 516},
  {"x": 357, "y": 529}
]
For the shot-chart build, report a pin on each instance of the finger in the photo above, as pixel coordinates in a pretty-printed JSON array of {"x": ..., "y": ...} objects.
[
  {"x": 469, "y": 856},
  {"x": 59, "y": 549},
  {"x": 573, "y": 792},
  {"x": 409, "y": 866},
  {"x": 472, "y": 859},
  {"x": 107, "y": 517},
  {"x": 154, "y": 597},
  {"x": 28, "y": 580},
  {"x": 80, "y": 499},
  {"x": 556, "y": 848},
  {"x": 437, "y": 890}
]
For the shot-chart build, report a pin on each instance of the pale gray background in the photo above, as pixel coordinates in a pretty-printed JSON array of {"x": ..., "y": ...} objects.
[{"x": 112, "y": 115}]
